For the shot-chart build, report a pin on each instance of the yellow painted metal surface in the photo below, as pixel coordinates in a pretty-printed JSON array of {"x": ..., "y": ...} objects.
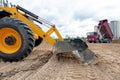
[
  {"x": 6, "y": 48},
  {"x": 36, "y": 30}
]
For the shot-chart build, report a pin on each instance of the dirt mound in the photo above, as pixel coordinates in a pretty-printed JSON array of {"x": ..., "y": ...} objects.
[
  {"x": 42, "y": 65},
  {"x": 107, "y": 66},
  {"x": 44, "y": 46},
  {"x": 116, "y": 41},
  {"x": 20, "y": 70}
]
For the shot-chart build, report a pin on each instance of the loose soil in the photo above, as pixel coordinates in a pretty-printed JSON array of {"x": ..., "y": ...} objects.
[{"x": 41, "y": 64}]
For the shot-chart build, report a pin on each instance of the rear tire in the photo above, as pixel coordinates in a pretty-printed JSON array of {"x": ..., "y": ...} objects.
[{"x": 25, "y": 36}]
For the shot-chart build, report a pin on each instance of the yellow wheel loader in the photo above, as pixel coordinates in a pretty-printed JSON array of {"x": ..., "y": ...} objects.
[{"x": 19, "y": 35}]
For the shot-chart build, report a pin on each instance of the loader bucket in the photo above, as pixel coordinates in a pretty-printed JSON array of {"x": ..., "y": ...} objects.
[{"x": 74, "y": 48}]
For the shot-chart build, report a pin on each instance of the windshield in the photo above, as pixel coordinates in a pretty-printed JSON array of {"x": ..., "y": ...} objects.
[{"x": 91, "y": 33}]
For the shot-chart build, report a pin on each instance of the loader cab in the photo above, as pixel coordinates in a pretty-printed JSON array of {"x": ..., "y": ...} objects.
[
  {"x": 91, "y": 33},
  {"x": 92, "y": 36}
]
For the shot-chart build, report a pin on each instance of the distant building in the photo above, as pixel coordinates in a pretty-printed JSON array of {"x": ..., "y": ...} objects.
[{"x": 115, "y": 27}]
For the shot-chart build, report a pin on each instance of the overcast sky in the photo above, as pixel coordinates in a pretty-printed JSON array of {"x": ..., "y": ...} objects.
[{"x": 73, "y": 17}]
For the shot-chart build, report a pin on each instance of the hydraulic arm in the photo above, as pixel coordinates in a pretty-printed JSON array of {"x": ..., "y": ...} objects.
[{"x": 19, "y": 35}]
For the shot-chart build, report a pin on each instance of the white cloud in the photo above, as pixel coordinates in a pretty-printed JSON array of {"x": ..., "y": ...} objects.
[{"x": 73, "y": 17}]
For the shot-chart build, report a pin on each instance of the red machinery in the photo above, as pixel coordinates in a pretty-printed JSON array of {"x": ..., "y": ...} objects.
[{"x": 103, "y": 33}]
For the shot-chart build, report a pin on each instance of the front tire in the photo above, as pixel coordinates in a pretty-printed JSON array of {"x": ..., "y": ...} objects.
[{"x": 17, "y": 40}]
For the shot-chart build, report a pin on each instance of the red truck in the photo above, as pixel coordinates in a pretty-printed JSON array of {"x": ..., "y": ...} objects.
[{"x": 103, "y": 34}]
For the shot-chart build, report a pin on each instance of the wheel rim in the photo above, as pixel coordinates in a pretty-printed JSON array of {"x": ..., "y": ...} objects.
[{"x": 10, "y": 40}]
